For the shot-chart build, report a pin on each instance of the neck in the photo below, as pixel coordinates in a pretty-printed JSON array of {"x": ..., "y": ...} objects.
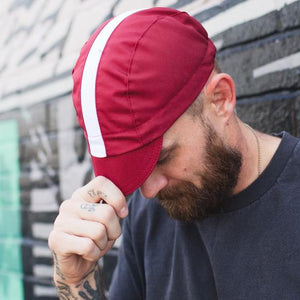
[{"x": 257, "y": 151}]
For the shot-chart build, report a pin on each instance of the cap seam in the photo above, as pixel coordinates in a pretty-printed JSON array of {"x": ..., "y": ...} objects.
[
  {"x": 128, "y": 80},
  {"x": 138, "y": 126},
  {"x": 200, "y": 64},
  {"x": 129, "y": 73},
  {"x": 130, "y": 68}
]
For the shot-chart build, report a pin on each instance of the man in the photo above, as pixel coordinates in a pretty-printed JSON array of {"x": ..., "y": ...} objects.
[{"x": 159, "y": 115}]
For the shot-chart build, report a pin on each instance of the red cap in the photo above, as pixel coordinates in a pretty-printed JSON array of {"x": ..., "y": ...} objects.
[{"x": 135, "y": 77}]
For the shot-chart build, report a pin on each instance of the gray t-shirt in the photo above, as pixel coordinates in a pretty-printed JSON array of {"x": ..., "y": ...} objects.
[{"x": 249, "y": 251}]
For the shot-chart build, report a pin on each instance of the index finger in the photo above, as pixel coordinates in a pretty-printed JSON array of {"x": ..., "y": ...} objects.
[{"x": 101, "y": 188}]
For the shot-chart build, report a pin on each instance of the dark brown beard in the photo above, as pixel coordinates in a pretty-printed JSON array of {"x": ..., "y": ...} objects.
[{"x": 222, "y": 164}]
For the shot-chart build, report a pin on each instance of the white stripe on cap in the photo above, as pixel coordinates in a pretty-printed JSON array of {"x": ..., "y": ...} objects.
[{"x": 88, "y": 86}]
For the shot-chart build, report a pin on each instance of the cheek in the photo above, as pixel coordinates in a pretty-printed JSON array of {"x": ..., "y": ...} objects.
[
  {"x": 190, "y": 166},
  {"x": 180, "y": 169}
]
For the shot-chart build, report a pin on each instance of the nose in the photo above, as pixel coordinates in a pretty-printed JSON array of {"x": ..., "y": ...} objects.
[{"x": 153, "y": 184}]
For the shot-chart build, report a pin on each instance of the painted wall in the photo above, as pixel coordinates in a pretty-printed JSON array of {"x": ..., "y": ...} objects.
[
  {"x": 43, "y": 155},
  {"x": 11, "y": 285}
]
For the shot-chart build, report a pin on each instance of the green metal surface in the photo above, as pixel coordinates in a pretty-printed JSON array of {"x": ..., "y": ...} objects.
[{"x": 11, "y": 285}]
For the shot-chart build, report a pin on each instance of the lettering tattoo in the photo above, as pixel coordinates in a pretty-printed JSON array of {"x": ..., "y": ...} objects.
[
  {"x": 84, "y": 288},
  {"x": 90, "y": 207},
  {"x": 92, "y": 193}
]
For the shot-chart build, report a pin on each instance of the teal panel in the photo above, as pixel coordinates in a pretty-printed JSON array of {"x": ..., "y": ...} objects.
[{"x": 11, "y": 284}]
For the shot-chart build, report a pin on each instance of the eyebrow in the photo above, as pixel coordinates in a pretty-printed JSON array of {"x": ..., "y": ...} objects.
[{"x": 167, "y": 150}]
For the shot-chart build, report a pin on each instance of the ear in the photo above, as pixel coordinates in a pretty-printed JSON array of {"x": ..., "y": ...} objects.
[{"x": 220, "y": 91}]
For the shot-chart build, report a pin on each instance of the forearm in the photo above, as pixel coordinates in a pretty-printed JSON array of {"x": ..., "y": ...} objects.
[{"x": 89, "y": 287}]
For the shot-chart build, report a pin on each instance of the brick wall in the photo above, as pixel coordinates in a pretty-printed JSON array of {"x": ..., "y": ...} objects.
[{"x": 258, "y": 44}]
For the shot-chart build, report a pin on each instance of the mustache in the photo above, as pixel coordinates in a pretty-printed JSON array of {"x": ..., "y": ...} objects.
[{"x": 183, "y": 189}]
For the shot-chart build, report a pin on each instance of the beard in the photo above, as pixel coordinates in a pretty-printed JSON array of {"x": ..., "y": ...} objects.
[{"x": 222, "y": 165}]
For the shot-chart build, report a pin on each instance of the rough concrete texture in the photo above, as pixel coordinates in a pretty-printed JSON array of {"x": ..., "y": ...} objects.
[
  {"x": 258, "y": 44},
  {"x": 272, "y": 116}
]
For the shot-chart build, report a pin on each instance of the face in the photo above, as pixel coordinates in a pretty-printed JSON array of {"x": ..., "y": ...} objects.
[{"x": 195, "y": 172}]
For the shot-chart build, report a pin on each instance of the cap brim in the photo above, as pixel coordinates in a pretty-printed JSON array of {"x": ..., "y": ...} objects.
[{"x": 129, "y": 171}]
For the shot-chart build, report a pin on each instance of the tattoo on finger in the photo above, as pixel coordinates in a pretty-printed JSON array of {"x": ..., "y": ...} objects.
[
  {"x": 90, "y": 207},
  {"x": 96, "y": 193}
]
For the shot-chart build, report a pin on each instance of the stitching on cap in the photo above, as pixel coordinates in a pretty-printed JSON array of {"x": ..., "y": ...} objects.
[
  {"x": 137, "y": 127},
  {"x": 128, "y": 74},
  {"x": 130, "y": 68}
]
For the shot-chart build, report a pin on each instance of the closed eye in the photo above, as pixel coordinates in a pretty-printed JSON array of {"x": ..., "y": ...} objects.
[
  {"x": 166, "y": 155},
  {"x": 163, "y": 161}
]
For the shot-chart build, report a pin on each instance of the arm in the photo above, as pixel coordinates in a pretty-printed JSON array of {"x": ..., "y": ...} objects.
[
  {"x": 83, "y": 232},
  {"x": 88, "y": 288}
]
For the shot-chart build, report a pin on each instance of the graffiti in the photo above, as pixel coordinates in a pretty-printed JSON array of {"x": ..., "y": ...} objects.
[{"x": 259, "y": 48}]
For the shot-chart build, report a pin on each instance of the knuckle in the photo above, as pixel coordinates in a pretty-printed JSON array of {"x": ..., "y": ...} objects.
[
  {"x": 99, "y": 232},
  {"x": 103, "y": 243},
  {"x": 101, "y": 180},
  {"x": 88, "y": 246},
  {"x": 119, "y": 200},
  {"x": 60, "y": 222},
  {"x": 109, "y": 213},
  {"x": 116, "y": 233},
  {"x": 64, "y": 206},
  {"x": 76, "y": 194},
  {"x": 57, "y": 222},
  {"x": 52, "y": 240}
]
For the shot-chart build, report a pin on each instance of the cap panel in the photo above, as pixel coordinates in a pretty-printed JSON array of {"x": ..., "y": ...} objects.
[
  {"x": 158, "y": 45},
  {"x": 119, "y": 124},
  {"x": 166, "y": 58}
]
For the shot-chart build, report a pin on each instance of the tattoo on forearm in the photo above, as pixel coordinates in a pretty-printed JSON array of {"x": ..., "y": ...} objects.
[
  {"x": 94, "y": 193},
  {"x": 57, "y": 269},
  {"x": 88, "y": 206},
  {"x": 94, "y": 294},
  {"x": 64, "y": 291},
  {"x": 85, "y": 290}
]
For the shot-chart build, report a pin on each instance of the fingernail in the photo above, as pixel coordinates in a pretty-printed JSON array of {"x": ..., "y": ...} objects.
[{"x": 124, "y": 211}]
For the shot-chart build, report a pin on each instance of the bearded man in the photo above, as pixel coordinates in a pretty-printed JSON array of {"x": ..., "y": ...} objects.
[{"x": 215, "y": 212}]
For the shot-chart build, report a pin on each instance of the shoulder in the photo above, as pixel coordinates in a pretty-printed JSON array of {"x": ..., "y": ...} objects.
[{"x": 291, "y": 146}]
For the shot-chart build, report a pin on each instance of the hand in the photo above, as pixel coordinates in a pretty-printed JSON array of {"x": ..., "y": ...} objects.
[{"x": 86, "y": 229}]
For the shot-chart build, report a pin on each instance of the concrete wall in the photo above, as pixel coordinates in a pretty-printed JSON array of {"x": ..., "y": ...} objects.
[{"x": 258, "y": 43}]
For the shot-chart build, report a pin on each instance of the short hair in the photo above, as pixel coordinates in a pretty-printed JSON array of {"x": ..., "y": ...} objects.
[{"x": 196, "y": 108}]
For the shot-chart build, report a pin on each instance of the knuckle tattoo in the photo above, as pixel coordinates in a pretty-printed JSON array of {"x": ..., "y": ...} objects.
[
  {"x": 90, "y": 207},
  {"x": 96, "y": 193}
]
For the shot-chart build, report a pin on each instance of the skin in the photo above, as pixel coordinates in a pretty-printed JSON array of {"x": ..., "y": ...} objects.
[
  {"x": 219, "y": 104},
  {"x": 83, "y": 232},
  {"x": 85, "y": 229}
]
